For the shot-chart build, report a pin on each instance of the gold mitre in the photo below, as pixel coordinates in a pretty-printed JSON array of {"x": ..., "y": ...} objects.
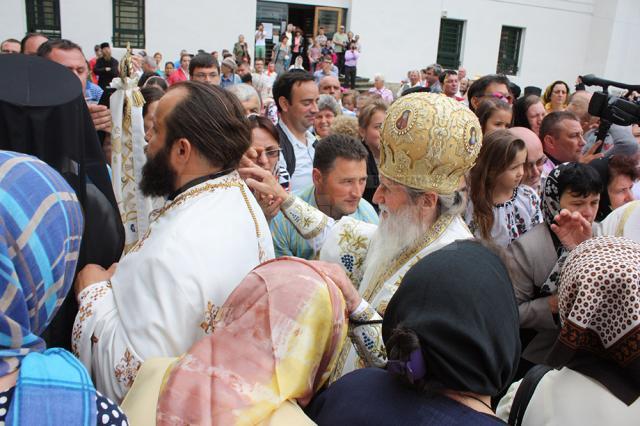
[{"x": 429, "y": 141}]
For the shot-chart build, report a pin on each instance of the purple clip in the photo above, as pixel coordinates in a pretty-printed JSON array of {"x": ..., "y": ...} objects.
[{"x": 413, "y": 370}]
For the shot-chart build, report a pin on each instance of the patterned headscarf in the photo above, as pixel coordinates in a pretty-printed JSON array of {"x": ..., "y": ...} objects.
[
  {"x": 599, "y": 304},
  {"x": 551, "y": 195},
  {"x": 40, "y": 230},
  {"x": 276, "y": 338}
]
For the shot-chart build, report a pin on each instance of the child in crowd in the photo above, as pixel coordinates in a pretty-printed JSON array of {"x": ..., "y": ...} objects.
[
  {"x": 500, "y": 208},
  {"x": 349, "y": 100},
  {"x": 494, "y": 114}
]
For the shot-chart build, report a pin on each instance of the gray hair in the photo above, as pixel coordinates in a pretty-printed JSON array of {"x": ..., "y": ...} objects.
[
  {"x": 150, "y": 61},
  {"x": 245, "y": 92},
  {"x": 451, "y": 204},
  {"x": 328, "y": 102},
  {"x": 437, "y": 68},
  {"x": 378, "y": 76}
]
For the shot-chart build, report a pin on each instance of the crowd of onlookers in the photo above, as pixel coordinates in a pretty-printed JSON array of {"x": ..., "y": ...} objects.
[{"x": 540, "y": 162}]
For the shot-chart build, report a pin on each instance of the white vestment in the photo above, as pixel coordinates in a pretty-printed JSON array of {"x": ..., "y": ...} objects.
[
  {"x": 346, "y": 242},
  {"x": 622, "y": 222},
  {"x": 166, "y": 292}
]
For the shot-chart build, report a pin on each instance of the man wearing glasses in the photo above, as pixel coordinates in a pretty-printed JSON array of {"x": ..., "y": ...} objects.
[
  {"x": 205, "y": 69},
  {"x": 535, "y": 157},
  {"x": 492, "y": 85}
]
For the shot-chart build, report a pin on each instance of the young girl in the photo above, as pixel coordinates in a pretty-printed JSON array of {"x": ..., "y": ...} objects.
[
  {"x": 500, "y": 208},
  {"x": 493, "y": 114}
]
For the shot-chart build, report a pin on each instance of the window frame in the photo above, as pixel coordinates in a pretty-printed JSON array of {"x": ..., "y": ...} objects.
[
  {"x": 35, "y": 25},
  {"x": 509, "y": 62},
  {"x": 121, "y": 35},
  {"x": 460, "y": 32}
]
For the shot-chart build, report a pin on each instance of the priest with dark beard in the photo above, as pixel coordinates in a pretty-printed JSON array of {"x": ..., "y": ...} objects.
[{"x": 165, "y": 293}]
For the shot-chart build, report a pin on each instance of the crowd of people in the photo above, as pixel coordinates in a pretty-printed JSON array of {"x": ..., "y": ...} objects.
[{"x": 460, "y": 251}]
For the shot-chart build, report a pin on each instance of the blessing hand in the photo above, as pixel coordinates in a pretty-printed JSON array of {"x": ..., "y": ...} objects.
[
  {"x": 263, "y": 182},
  {"x": 571, "y": 228}
]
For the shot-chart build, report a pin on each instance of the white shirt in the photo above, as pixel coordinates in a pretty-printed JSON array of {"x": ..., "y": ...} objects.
[
  {"x": 304, "y": 153},
  {"x": 566, "y": 397}
]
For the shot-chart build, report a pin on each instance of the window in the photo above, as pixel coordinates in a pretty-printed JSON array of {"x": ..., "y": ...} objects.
[
  {"x": 509, "y": 53},
  {"x": 450, "y": 43},
  {"x": 43, "y": 16},
  {"x": 128, "y": 23}
]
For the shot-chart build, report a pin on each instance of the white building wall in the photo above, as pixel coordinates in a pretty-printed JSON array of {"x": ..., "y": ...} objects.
[
  {"x": 562, "y": 38},
  {"x": 13, "y": 19},
  {"x": 554, "y": 47}
]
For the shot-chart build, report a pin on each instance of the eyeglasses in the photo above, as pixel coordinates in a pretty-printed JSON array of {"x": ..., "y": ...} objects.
[
  {"x": 270, "y": 153},
  {"x": 205, "y": 75},
  {"x": 537, "y": 163},
  {"x": 500, "y": 96}
]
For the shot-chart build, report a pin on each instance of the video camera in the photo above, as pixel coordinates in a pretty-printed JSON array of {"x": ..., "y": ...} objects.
[{"x": 611, "y": 109}]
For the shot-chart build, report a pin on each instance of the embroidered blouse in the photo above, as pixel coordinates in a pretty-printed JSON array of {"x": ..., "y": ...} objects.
[{"x": 512, "y": 218}]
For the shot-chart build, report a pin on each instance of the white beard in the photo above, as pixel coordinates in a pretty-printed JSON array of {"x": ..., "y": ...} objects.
[{"x": 394, "y": 234}]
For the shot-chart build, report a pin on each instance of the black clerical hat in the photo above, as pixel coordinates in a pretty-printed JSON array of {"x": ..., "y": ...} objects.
[{"x": 32, "y": 81}]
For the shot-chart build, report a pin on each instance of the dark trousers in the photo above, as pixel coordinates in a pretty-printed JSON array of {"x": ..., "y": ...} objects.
[
  {"x": 350, "y": 77},
  {"x": 340, "y": 56}
]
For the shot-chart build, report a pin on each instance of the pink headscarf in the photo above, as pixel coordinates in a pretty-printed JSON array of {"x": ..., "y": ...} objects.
[{"x": 276, "y": 338}]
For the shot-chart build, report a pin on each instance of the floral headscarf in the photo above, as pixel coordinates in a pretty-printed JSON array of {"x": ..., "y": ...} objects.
[{"x": 551, "y": 195}]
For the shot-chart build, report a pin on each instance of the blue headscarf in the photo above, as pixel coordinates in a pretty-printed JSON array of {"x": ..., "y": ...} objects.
[{"x": 40, "y": 232}]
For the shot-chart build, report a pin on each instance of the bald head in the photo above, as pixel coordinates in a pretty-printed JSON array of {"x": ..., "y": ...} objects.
[
  {"x": 579, "y": 105},
  {"x": 330, "y": 85},
  {"x": 535, "y": 156}
]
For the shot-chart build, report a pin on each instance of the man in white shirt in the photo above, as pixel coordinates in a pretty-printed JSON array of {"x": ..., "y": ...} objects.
[{"x": 296, "y": 95}]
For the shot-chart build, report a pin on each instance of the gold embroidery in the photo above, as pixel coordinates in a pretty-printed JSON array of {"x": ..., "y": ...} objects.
[
  {"x": 303, "y": 216},
  {"x": 353, "y": 251},
  {"x": 127, "y": 369},
  {"x": 85, "y": 311},
  {"x": 234, "y": 182},
  {"x": 211, "y": 316},
  {"x": 623, "y": 220},
  {"x": 386, "y": 271}
]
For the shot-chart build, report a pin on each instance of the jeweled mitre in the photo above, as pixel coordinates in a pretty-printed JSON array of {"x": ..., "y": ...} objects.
[{"x": 429, "y": 141}]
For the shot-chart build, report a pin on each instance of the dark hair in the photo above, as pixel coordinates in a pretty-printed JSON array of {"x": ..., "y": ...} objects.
[
  {"x": 47, "y": 47},
  {"x": 213, "y": 121},
  {"x": 203, "y": 61},
  {"x": 551, "y": 121},
  {"x": 157, "y": 81},
  {"x": 26, "y": 38},
  {"x": 623, "y": 165},
  {"x": 499, "y": 149},
  {"x": 546, "y": 96},
  {"x": 283, "y": 86},
  {"x": 478, "y": 87},
  {"x": 487, "y": 107},
  {"x": 579, "y": 179},
  {"x": 186, "y": 54},
  {"x": 259, "y": 122},
  {"x": 443, "y": 75},
  {"x": 337, "y": 146},
  {"x": 520, "y": 108},
  {"x": 247, "y": 78},
  {"x": 150, "y": 94}
]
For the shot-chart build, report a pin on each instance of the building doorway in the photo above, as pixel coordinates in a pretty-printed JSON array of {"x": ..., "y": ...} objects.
[{"x": 307, "y": 17}]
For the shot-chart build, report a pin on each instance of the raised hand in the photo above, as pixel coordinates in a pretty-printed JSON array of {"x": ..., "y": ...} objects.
[
  {"x": 590, "y": 155},
  {"x": 571, "y": 228}
]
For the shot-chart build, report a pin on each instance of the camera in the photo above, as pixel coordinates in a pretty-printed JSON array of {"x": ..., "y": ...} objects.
[{"x": 609, "y": 108}]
